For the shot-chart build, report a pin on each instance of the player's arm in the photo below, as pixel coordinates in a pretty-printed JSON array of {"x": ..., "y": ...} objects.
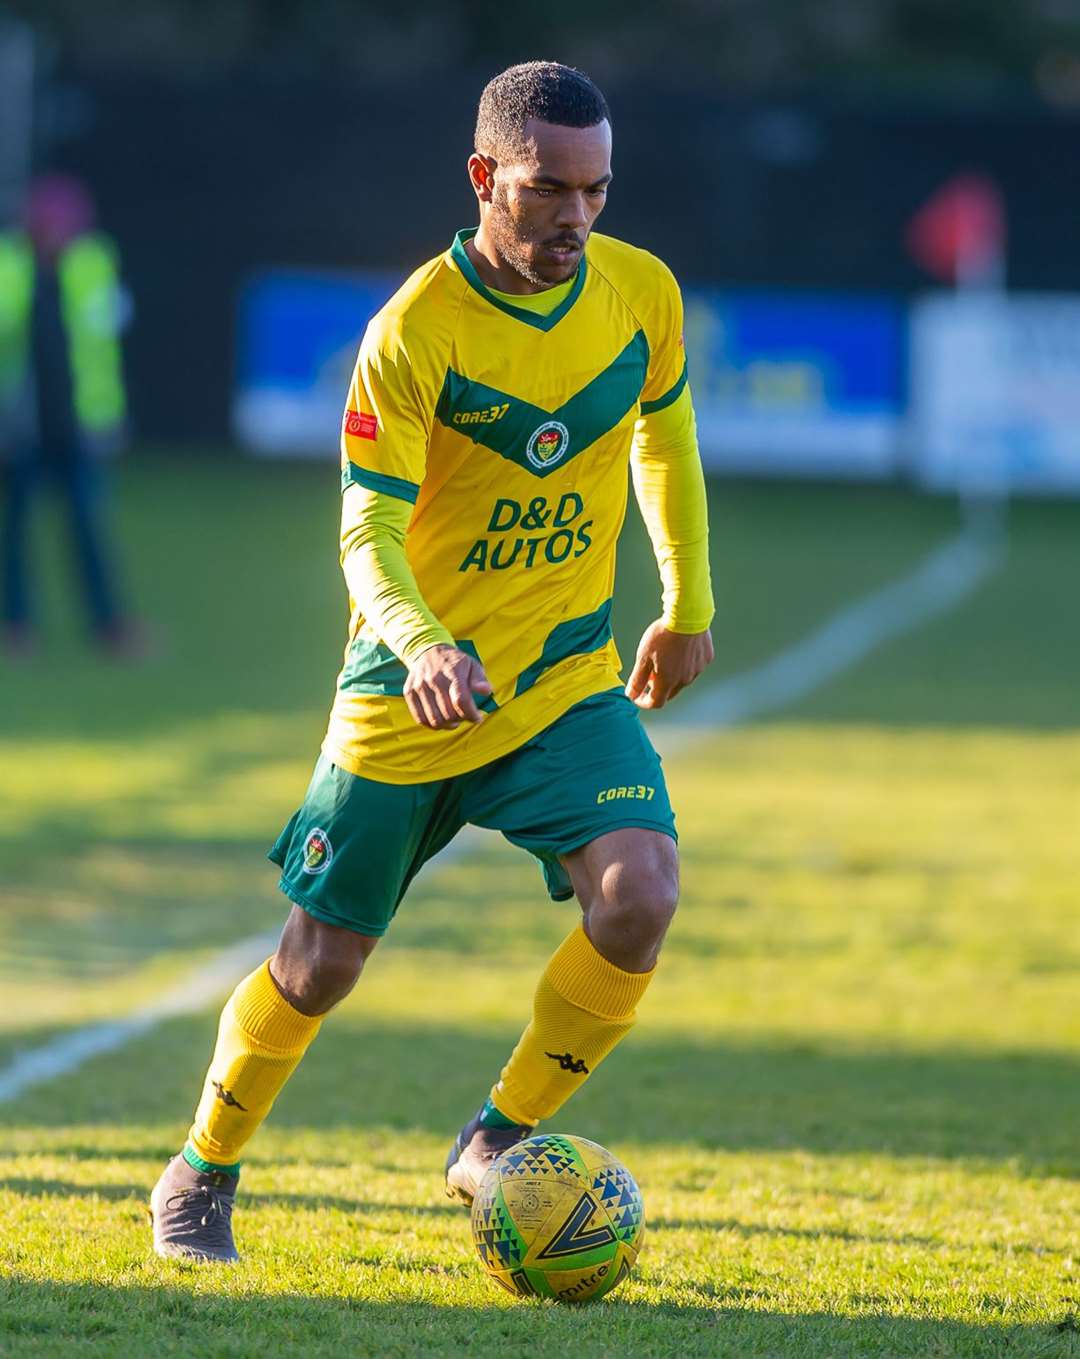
[
  {"x": 670, "y": 490},
  {"x": 384, "y": 446}
]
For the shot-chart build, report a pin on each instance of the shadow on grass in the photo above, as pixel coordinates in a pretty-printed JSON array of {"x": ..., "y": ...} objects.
[
  {"x": 1020, "y": 1106},
  {"x": 73, "y": 926},
  {"x": 42, "y": 1318},
  {"x": 43, "y": 1188},
  {"x": 27, "y": 1187}
]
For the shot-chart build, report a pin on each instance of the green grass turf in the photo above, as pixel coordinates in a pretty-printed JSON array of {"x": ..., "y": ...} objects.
[{"x": 852, "y": 1101}]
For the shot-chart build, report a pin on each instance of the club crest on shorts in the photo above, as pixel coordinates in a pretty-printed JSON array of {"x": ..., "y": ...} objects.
[
  {"x": 547, "y": 444},
  {"x": 318, "y": 851}
]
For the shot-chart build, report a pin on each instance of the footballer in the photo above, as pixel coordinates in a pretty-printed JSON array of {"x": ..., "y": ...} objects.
[{"x": 497, "y": 401}]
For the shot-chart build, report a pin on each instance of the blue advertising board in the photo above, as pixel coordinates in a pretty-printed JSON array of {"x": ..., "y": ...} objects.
[
  {"x": 298, "y": 334},
  {"x": 797, "y": 383}
]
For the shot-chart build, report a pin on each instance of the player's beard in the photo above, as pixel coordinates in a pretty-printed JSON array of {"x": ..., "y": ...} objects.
[{"x": 513, "y": 242}]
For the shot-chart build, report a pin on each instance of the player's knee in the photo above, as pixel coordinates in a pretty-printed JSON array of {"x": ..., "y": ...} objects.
[
  {"x": 317, "y": 987},
  {"x": 652, "y": 905},
  {"x": 640, "y": 899},
  {"x": 316, "y": 965}
]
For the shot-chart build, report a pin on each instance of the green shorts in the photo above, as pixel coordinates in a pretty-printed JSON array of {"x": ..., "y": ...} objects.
[{"x": 348, "y": 855}]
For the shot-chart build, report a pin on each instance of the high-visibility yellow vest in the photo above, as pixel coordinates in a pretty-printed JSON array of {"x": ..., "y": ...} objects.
[{"x": 89, "y": 299}]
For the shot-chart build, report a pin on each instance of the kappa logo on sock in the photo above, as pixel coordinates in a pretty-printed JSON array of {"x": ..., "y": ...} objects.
[
  {"x": 227, "y": 1097},
  {"x": 569, "y": 1062}
]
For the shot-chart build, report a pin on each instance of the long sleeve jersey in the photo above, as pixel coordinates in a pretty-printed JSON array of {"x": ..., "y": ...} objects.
[{"x": 485, "y": 447}]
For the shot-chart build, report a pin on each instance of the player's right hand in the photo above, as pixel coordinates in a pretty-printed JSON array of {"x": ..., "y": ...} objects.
[{"x": 440, "y": 687}]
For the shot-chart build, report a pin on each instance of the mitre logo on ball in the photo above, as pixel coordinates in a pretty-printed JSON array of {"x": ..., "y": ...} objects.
[{"x": 547, "y": 444}]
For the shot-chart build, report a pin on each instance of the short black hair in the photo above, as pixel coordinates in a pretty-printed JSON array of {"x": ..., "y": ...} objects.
[{"x": 546, "y": 90}]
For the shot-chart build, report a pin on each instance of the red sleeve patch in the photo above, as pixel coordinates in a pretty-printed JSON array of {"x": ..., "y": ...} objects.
[{"x": 361, "y": 425}]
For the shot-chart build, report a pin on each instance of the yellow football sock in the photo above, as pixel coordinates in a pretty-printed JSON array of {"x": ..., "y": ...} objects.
[
  {"x": 583, "y": 1006},
  {"x": 260, "y": 1040}
]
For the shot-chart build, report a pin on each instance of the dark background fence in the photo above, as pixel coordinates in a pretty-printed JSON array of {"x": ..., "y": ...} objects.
[{"x": 203, "y": 179}]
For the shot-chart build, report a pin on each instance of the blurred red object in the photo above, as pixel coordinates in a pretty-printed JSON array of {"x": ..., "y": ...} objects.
[{"x": 958, "y": 235}]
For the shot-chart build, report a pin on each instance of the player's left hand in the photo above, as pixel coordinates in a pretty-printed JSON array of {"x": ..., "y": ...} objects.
[{"x": 666, "y": 663}]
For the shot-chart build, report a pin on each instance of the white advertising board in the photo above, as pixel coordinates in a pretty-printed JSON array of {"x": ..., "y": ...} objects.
[{"x": 995, "y": 393}]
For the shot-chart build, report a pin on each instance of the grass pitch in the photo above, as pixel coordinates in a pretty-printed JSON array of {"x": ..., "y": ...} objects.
[{"x": 852, "y": 1100}]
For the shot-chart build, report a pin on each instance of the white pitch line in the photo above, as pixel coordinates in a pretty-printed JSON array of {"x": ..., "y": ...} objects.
[
  {"x": 70, "y": 1050},
  {"x": 201, "y": 987},
  {"x": 946, "y": 577}
]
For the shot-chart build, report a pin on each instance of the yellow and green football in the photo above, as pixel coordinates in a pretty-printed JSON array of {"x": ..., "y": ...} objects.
[{"x": 558, "y": 1217}]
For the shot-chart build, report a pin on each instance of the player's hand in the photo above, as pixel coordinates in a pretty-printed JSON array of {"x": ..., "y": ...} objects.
[
  {"x": 440, "y": 686},
  {"x": 666, "y": 663}
]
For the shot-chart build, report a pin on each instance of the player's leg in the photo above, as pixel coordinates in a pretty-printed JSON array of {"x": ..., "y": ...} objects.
[
  {"x": 266, "y": 1027},
  {"x": 587, "y": 997},
  {"x": 588, "y": 798},
  {"x": 22, "y": 476},
  {"x": 83, "y": 484},
  {"x": 346, "y": 859},
  {"x": 627, "y": 882}
]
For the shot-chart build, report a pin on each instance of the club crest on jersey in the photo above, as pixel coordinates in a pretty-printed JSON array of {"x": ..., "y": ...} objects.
[
  {"x": 318, "y": 851},
  {"x": 548, "y": 444}
]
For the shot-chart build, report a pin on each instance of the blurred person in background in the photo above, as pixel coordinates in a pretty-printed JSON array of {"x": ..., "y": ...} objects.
[{"x": 62, "y": 399}]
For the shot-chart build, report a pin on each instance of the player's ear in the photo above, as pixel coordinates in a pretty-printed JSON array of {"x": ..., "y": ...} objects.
[{"x": 482, "y": 176}]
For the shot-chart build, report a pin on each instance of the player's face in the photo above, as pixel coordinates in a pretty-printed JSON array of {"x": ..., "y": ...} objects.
[{"x": 543, "y": 208}]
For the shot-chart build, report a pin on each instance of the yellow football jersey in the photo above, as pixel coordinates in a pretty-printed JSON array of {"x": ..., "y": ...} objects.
[{"x": 509, "y": 432}]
